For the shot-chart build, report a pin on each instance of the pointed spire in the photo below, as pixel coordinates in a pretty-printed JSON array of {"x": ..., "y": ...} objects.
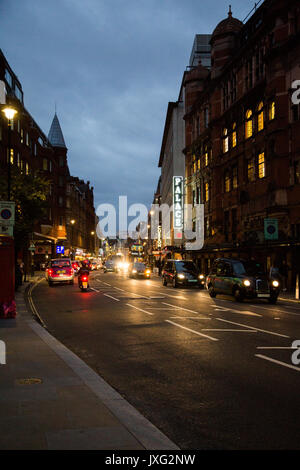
[
  {"x": 230, "y": 12},
  {"x": 55, "y": 136}
]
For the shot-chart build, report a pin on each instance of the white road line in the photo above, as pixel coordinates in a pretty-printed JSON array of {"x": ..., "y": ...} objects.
[
  {"x": 290, "y": 366},
  {"x": 240, "y": 312},
  {"x": 111, "y": 297},
  {"x": 137, "y": 308},
  {"x": 181, "y": 308},
  {"x": 232, "y": 330},
  {"x": 192, "y": 318},
  {"x": 253, "y": 328},
  {"x": 92, "y": 288},
  {"x": 118, "y": 288},
  {"x": 191, "y": 331},
  {"x": 276, "y": 347}
]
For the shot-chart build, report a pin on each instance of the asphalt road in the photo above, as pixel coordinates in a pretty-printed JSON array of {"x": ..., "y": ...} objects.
[{"x": 210, "y": 373}]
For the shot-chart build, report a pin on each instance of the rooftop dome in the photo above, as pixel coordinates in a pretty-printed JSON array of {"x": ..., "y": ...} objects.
[{"x": 229, "y": 25}]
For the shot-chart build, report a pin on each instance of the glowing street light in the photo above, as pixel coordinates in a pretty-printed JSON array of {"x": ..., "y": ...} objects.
[{"x": 9, "y": 113}]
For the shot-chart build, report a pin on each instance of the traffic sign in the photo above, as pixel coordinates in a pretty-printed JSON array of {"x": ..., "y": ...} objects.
[
  {"x": 7, "y": 213},
  {"x": 271, "y": 229}
]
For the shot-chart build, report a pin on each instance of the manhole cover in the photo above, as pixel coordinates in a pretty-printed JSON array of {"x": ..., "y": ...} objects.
[{"x": 29, "y": 381}]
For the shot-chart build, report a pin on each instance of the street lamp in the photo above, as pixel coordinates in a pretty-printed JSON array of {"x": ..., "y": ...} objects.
[
  {"x": 72, "y": 221},
  {"x": 9, "y": 113}
]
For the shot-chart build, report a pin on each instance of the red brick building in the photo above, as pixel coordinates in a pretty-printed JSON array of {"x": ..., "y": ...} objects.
[
  {"x": 32, "y": 151},
  {"x": 243, "y": 139}
]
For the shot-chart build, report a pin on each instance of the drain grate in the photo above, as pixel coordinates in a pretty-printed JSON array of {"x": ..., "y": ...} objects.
[{"x": 29, "y": 381}]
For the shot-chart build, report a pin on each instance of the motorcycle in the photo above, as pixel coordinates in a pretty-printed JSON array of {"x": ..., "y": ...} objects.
[{"x": 83, "y": 282}]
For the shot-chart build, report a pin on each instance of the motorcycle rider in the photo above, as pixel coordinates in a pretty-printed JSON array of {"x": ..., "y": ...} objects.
[{"x": 83, "y": 271}]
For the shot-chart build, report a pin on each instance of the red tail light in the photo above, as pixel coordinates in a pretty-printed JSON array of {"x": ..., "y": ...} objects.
[
  {"x": 50, "y": 272},
  {"x": 84, "y": 278}
]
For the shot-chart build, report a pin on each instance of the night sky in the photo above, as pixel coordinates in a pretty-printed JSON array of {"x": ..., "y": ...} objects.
[{"x": 110, "y": 67}]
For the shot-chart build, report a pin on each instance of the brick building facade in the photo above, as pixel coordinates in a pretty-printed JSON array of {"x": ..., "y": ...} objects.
[
  {"x": 69, "y": 198},
  {"x": 243, "y": 139}
]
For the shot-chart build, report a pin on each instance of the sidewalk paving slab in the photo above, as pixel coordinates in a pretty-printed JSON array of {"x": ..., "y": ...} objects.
[{"x": 69, "y": 406}]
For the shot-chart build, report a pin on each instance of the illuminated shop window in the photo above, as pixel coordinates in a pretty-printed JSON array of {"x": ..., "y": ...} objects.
[
  {"x": 248, "y": 124},
  {"x": 260, "y": 117},
  {"x": 261, "y": 165}
]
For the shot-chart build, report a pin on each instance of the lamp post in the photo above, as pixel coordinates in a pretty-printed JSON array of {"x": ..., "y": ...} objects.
[
  {"x": 94, "y": 240},
  {"x": 9, "y": 113},
  {"x": 72, "y": 224}
]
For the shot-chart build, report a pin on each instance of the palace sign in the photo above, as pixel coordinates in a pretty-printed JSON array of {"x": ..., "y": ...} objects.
[{"x": 178, "y": 202}]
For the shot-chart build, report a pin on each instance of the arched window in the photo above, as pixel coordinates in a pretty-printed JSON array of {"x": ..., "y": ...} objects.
[
  {"x": 260, "y": 116},
  {"x": 248, "y": 124},
  {"x": 234, "y": 135},
  {"x": 225, "y": 141}
]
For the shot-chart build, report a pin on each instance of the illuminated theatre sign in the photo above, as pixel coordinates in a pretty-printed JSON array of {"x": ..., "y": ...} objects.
[{"x": 178, "y": 202}]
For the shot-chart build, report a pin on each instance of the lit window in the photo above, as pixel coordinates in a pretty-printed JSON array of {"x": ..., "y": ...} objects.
[
  {"x": 206, "y": 157},
  {"x": 260, "y": 117},
  {"x": 18, "y": 160},
  {"x": 206, "y": 191},
  {"x": 27, "y": 139},
  {"x": 251, "y": 170},
  {"x": 248, "y": 124},
  {"x": 22, "y": 136},
  {"x": 194, "y": 164},
  {"x": 261, "y": 165},
  {"x": 234, "y": 137},
  {"x": 227, "y": 182},
  {"x": 199, "y": 163},
  {"x": 27, "y": 169},
  {"x": 11, "y": 156},
  {"x": 225, "y": 141},
  {"x": 45, "y": 164},
  {"x": 272, "y": 111}
]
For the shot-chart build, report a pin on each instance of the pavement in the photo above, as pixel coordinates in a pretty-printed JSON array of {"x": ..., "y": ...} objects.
[{"x": 50, "y": 399}]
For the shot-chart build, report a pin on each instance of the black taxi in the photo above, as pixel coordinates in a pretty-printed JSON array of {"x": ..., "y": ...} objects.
[{"x": 244, "y": 279}]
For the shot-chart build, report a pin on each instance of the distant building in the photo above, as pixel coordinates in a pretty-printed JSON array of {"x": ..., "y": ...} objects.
[
  {"x": 201, "y": 51},
  {"x": 32, "y": 151}
]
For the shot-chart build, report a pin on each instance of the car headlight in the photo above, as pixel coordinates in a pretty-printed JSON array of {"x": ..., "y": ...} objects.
[
  {"x": 134, "y": 271},
  {"x": 147, "y": 271},
  {"x": 180, "y": 276},
  {"x": 275, "y": 283},
  {"x": 201, "y": 276},
  {"x": 247, "y": 283}
]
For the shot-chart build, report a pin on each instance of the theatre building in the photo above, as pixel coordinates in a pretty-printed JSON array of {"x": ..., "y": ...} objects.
[{"x": 242, "y": 133}]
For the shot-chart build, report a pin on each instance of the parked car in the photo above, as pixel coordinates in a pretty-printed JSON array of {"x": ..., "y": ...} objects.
[
  {"x": 242, "y": 279},
  {"x": 139, "y": 270},
  {"x": 184, "y": 273},
  {"x": 60, "y": 270}
]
